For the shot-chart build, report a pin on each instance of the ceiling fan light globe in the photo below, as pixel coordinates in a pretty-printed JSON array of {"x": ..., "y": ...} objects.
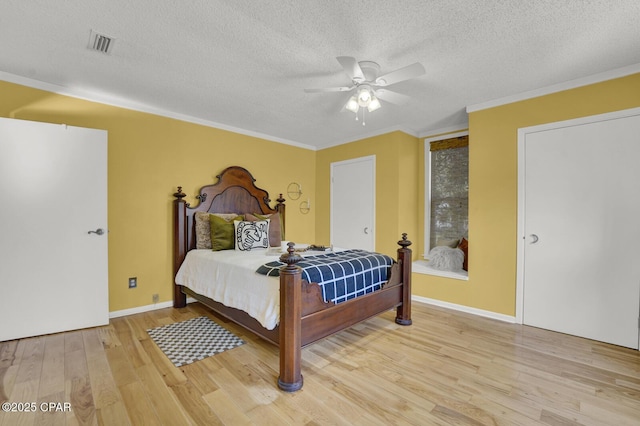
[
  {"x": 352, "y": 105},
  {"x": 374, "y": 104}
]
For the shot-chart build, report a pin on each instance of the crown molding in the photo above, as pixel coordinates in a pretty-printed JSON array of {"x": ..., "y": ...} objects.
[
  {"x": 379, "y": 132},
  {"x": 444, "y": 131},
  {"x": 567, "y": 85},
  {"x": 127, "y": 104}
]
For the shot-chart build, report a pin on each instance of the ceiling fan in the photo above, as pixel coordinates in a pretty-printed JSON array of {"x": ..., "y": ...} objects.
[{"x": 369, "y": 87}]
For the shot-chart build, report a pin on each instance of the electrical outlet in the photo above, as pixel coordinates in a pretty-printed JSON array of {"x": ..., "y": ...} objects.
[
  {"x": 133, "y": 282},
  {"x": 155, "y": 298}
]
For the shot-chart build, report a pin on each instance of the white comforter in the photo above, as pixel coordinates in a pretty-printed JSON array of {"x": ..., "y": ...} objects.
[{"x": 230, "y": 277}]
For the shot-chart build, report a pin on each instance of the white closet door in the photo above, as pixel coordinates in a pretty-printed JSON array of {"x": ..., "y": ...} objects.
[
  {"x": 353, "y": 203},
  {"x": 582, "y": 227},
  {"x": 53, "y": 186}
]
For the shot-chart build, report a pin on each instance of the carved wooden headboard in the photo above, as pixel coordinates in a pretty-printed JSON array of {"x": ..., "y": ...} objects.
[{"x": 235, "y": 192}]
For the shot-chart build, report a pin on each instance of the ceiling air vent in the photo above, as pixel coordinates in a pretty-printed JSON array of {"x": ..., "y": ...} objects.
[{"x": 101, "y": 43}]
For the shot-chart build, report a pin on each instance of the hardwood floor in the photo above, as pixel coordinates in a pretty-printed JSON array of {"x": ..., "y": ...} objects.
[{"x": 448, "y": 368}]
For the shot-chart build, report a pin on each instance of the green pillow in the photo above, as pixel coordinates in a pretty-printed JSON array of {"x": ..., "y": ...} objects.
[{"x": 222, "y": 237}]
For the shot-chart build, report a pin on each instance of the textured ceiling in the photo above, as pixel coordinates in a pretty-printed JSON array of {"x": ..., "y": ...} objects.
[{"x": 244, "y": 64}]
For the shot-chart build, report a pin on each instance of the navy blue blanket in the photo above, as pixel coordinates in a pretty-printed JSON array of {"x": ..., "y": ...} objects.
[{"x": 343, "y": 275}]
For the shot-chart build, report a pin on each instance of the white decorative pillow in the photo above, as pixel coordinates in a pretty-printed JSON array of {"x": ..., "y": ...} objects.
[
  {"x": 250, "y": 235},
  {"x": 446, "y": 258}
]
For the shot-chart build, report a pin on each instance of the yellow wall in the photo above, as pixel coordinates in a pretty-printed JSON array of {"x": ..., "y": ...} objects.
[
  {"x": 397, "y": 165},
  {"x": 148, "y": 157},
  {"x": 493, "y": 189}
]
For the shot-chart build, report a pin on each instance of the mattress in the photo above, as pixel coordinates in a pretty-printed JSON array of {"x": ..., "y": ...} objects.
[{"x": 229, "y": 277}]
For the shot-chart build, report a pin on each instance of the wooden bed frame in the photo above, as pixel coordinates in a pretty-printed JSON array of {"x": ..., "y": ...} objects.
[{"x": 304, "y": 317}]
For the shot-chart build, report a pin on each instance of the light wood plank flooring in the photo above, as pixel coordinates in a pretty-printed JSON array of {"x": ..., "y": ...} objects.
[{"x": 448, "y": 368}]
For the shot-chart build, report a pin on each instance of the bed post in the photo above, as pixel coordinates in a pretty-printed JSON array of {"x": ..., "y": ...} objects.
[
  {"x": 290, "y": 341},
  {"x": 280, "y": 207},
  {"x": 179, "y": 244},
  {"x": 403, "y": 312}
]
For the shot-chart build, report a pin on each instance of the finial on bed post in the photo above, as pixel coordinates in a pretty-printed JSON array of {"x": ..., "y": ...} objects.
[
  {"x": 290, "y": 257},
  {"x": 179, "y": 243},
  {"x": 179, "y": 195},
  {"x": 290, "y": 379},
  {"x": 403, "y": 312},
  {"x": 404, "y": 243}
]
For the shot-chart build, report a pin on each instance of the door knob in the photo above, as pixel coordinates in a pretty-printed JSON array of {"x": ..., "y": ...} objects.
[
  {"x": 98, "y": 231},
  {"x": 535, "y": 238}
]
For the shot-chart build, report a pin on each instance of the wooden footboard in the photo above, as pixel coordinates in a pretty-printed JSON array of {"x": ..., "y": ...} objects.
[{"x": 301, "y": 324}]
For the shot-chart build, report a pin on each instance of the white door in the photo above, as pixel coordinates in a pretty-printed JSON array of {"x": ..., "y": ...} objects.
[
  {"x": 53, "y": 187},
  {"x": 581, "y": 229},
  {"x": 353, "y": 203}
]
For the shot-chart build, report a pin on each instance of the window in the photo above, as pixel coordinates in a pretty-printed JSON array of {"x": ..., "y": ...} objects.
[{"x": 447, "y": 190}]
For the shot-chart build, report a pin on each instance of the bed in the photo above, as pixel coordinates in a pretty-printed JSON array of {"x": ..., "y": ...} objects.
[{"x": 303, "y": 316}]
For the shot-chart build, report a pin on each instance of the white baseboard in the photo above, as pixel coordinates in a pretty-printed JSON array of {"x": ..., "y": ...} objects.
[
  {"x": 140, "y": 309},
  {"x": 147, "y": 308},
  {"x": 455, "y": 307},
  {"x": 467, "y": 309}
]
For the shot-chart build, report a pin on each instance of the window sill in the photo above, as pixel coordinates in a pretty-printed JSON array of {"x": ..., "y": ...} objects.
[{"x": 421, "y": 267}]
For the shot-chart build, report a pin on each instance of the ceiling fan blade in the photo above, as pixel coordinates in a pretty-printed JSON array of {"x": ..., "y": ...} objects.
[
  {"x": 392, "y": 97},
  {"x": 405, "y": 73},
  {"x": 351, "y": 67},
  {"x": 329, "y": 89}
]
